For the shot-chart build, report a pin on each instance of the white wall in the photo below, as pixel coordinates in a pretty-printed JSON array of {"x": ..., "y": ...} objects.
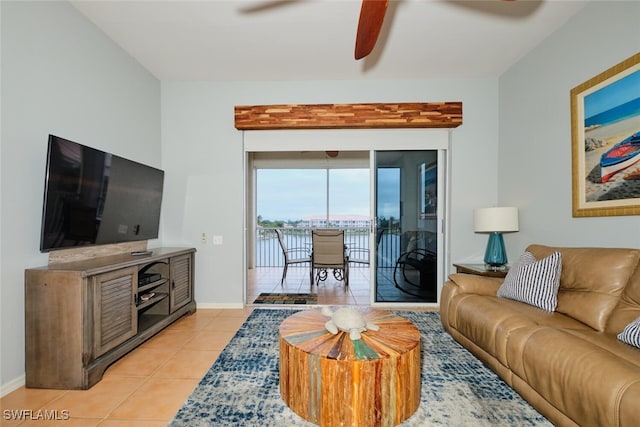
[
  {"x": 535, "y": 129},
  {"x": 60, "y": 75},
  {"x": 202, "y": 156}
]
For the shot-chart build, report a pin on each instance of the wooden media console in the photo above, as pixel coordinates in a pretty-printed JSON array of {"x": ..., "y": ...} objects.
[{"x": 81, "y": 316}]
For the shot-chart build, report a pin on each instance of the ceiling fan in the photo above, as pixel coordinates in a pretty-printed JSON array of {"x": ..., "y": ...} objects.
[
  {"x": 372, "y": 14},
  {"x": 369, "y": 24}
]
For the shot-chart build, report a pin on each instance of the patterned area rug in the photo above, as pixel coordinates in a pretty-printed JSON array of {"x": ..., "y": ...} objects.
[
  {"x": 242, "y": 388},
  {"x": 284, "y": 298}
]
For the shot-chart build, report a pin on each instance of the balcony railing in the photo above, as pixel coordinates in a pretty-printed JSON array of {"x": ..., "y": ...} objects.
[{"x": 269, "y": 253}]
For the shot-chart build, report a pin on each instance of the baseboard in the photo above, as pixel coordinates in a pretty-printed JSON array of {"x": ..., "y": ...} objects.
[
  {"x": 12, "y": 385},
  {"x": 230, "y": 305}
]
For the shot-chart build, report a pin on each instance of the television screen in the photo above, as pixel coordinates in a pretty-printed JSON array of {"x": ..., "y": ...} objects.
[{"x": 92, "y": 197}]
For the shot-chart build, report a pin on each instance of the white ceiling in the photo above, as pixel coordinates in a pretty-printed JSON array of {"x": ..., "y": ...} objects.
[{"x": 260, "y": 40}]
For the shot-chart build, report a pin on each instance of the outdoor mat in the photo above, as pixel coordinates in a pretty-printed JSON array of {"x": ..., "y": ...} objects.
[
  {"x": 242, "y": 386},
  {"x": 286, "y": 298}
]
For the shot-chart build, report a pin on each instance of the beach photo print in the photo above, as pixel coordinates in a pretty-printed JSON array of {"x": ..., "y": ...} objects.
[{"x": 605, "y": 130}]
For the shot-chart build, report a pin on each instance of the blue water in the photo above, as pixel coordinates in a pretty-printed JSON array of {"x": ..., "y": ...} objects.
[
  {"x": 621, "y": 112},
  {"x": 268, "y": 252}
]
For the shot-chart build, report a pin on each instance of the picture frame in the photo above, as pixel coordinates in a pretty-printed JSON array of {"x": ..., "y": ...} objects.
[
  {"x": 605, "y": 139},
  {"x": 428, "y": 190}
]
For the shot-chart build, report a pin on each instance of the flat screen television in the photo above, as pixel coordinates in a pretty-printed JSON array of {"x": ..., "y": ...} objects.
[{"x": 92, "y": 197}]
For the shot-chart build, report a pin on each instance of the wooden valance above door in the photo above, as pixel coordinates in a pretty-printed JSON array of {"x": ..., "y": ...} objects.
[{"x": 349, "y": 116}]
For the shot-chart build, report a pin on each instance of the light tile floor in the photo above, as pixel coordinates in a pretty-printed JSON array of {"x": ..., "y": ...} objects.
[
  {"x": 144, "y": 388},
  {"x": 147, "y": 386}
]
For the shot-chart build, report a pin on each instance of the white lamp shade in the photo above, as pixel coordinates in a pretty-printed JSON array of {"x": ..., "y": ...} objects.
[{"x": 498, "y": 220}]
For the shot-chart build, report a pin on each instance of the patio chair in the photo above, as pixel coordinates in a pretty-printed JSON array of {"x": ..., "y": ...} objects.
[
  {"x": 415, "y": 273},
  {"x": 362, "y": 255},
  {"x": 291, "y": 256},
  {"x": 328, "y": 252}
]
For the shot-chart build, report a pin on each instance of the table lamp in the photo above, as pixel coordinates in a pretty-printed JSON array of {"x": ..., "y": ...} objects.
[{"x": 496, "y": 221}]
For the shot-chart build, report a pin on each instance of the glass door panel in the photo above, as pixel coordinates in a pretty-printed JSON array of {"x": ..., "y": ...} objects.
[{"x": 406, "y": 211}]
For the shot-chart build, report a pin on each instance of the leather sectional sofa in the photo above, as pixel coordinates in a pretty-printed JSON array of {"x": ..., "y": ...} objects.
[{"x": 568, "y": 363}]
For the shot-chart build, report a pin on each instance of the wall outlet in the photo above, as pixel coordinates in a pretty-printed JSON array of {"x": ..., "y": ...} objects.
[{"x": 217, "y": 240}]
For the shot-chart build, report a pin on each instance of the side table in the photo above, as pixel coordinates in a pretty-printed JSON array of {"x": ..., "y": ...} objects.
[{"x": 481, "y": 270}]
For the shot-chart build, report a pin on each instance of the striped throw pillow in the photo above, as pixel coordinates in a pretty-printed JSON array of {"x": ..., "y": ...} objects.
[
  {"x": 534, "y": 282},
  {"x": 631, "y": 333}
]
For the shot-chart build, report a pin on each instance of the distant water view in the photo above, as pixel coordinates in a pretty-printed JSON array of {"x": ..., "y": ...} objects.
[
  {"x": 298, "y": 200},
  {"x": 269, "y": 254}
]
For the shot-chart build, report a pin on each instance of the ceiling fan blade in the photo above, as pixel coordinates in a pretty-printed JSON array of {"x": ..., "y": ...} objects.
[
  {"x": 369, "y": 25},
  {"x": 266, "y": 6}
]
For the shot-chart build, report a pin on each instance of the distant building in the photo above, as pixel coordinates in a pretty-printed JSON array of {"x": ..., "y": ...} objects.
[{"x": 337, "y": 221}]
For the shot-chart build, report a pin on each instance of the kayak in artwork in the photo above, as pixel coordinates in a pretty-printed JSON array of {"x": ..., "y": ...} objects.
[{"x": 622, "y": 155}]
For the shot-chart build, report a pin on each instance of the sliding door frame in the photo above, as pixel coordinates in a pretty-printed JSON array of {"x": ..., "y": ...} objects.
[{"x": 369, "y": 140}]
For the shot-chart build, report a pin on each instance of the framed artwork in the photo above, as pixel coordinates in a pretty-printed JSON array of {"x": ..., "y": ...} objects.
[
  {"x": 428, "y": 196},
  {"x": 605, "y": 131}
]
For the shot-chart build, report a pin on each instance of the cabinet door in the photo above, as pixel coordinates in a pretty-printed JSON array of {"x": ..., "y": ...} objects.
[
  {"x": 115, "y": 314},
  {"x": 181, "y": 281}
]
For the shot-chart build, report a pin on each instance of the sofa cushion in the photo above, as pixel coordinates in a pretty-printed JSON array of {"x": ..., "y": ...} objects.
[
  {"x": 628, "y": 307},
  {"x": 534, "y": 282},
  {"x": 584, "y": 381},
  {"x": 490, "y": 321},
  {"x": 631, "y": 333},
  {"x": 592, "y": 281},
  {"x": 608, "y": 342}
]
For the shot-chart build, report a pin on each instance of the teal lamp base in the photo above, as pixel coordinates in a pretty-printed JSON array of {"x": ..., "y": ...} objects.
[{"x": 495, "y": 255}]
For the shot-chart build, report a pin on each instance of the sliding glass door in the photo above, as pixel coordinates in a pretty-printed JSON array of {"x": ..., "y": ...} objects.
[
  {"x": 408, "y": 172},
  {"x": 407, "y": 232},
  {"x": 296, "y": 200}
]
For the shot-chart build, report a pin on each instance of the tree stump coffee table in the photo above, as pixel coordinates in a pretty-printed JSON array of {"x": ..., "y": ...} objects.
[{"x": 333, "y": 381}]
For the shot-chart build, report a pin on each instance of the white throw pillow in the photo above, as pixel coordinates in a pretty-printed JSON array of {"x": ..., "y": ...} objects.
[
  {"x": 534, "y": 282},
  {"x": 631, "y": 333}
]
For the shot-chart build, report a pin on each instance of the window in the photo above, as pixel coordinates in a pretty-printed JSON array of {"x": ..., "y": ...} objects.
[{"x": 313, "y": 197}]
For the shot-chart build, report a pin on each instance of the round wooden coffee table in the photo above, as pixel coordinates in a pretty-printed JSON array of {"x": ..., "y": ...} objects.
[{"x": 331, "y": 380}]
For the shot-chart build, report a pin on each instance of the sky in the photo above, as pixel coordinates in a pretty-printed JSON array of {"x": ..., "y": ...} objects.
[
  {"x": 292, "y": 194},
  {"x": 617, "y": 93},
  {"x": 388, "y": 202}
]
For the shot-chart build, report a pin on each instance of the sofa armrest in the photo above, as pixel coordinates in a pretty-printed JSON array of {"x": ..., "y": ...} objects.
[
  {"x": 473, "y": 284},
  {"x": 460, "y": 284}
]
